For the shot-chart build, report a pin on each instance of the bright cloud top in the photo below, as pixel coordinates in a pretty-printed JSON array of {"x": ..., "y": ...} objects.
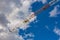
[{"x": 12, "y": 14}]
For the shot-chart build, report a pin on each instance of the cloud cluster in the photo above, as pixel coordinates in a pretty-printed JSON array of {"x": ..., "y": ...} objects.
[{"x": 12, "y": 14}]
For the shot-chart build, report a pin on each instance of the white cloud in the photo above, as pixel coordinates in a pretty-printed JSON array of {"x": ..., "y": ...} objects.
[
  {"x": 12, "y": 14},
  {"x": 15, "y": 15},
  {"x": 55, "y": 11},
  {"x": 29, "y": 36},
  {"x": 57, "y": 31},
  {"x": 10, "y": 36}
]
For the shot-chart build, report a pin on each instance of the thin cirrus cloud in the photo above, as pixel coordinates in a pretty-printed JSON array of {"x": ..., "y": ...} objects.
[
  {"x": 55, "y": 11},
  {"x": 57, "y": 31}
]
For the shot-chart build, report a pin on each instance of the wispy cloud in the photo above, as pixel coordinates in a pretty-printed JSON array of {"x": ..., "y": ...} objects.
[
  {"x": 55, "y": 11},
  {"x": 44, "y": 1},
  {"x": 57, "y": 31}
]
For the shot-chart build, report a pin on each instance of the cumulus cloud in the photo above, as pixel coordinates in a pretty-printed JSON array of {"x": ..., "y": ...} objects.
[{"x": 12, "y": 14}]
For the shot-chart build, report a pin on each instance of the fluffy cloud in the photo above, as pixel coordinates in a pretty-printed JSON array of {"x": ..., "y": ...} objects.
[{"x": 12, "y": 14}]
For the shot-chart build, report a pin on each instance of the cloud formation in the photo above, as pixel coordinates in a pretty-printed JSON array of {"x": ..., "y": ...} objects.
[
  {"x": 57, "y": 31},
  {"x": 12, "y": 14},
  {"x": 55, "y": 11}
]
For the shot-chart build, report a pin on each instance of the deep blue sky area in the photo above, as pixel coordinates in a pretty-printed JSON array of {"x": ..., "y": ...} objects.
[{"x": 38, "y": 28}]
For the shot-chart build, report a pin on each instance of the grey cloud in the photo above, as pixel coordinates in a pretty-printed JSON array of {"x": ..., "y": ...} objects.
[
  {"x": 9, "y": 36},
  {"x": 3, "y": 20},
  {"x": 5, "y": 9}
]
